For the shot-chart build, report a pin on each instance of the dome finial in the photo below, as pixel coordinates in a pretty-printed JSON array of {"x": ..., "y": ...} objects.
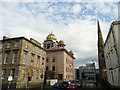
[
  {"x": 51, "y": 31},
  {"x": 51, "y": 36}
]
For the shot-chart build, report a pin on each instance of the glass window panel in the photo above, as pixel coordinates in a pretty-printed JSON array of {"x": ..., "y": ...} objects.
[
  {"x": 47, "y": 60},
  {"x": 54, "y": 59},
  {"x": 24, "y": 58},
  {"x": 17, "y": 44},
  {"x": 38, "y": 60},
  {"x": 15, "y": 57},
  {"x": 12, "y": 73},
  {"x": 9, "y": 44},
  {"x": 4, "y": 73},
  {"x": 6, "y": 58}
]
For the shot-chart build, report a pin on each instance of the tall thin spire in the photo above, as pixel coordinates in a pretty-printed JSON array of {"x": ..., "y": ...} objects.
[
  {"x": 100, "y": 37},
  {"x": 101, "y": 59}
]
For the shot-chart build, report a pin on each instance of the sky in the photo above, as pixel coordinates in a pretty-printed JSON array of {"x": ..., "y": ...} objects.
[{"x": 73, "y": 21}]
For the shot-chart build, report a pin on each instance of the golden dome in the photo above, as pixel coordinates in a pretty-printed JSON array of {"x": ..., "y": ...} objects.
[{"x": 51, "y": 37}]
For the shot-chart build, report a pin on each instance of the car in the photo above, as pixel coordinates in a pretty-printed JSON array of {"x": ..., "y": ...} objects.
[
  {"x": 78, "y": 84},
  {"x": 90, "y": 85},
  {"x": 56, "y": 85},
  {"x": 64, "y": 84},
  {"x": 72, "y": 86}
]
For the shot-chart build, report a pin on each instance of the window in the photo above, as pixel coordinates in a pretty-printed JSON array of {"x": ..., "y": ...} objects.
[
  {"x": 15, "y": 57},
  {"x": 60, "y": 76},
  {"x": 53, "y": 68},
  {"x": 66, "y": 60},
  {"x": 47, "y": 60},
  {"x": 12, "y": 73},
  {"x": 9, "y": 44},
  {"x": 38, "y": 59},
  {"x": 0, "y": 55},
  {"x": 46, "y": 68},
  {"x": 26, "y": 45},
  {"x": 6, "y": 57},
  {"x": 24, "y": 58},
  {"x": 48, "y": 46},
  {"x": 33, "y": 48},
  {"x": 102, "y": 55},
  {"x": 32, "y": 59},
  {"x": 1, "y": 45},
  {"x": 17, "y": 44},
  {"x": 54, "y": 59},
  {"x": 4, "y": 73}
]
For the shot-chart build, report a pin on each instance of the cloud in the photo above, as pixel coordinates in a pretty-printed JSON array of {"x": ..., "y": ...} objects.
[
  {"x": 59, "y": 1},
  {"x": 77, "y": 8},
  {"x": 67, "y": 20}
]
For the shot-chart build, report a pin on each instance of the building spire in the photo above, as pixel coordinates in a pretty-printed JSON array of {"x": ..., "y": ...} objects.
[{"x": 100, "y": 37}]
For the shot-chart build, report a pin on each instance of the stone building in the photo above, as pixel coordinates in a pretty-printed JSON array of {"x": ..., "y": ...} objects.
[
  {"x": 101, "y": 58},
  {"x": 112, "y": 54},
  {"x": 22, "y": 58},
  {"x": 58, "y": 59}
]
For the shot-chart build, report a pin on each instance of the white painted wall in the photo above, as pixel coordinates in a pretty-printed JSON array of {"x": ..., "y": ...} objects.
[{"x": 111, "y": 58}]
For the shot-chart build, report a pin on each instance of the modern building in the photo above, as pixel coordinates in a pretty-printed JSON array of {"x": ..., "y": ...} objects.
[
  {"x": 112, "y": 54},
  {"x": 22, "y": 59},
  {"x": 76, "y": 74},
  {"x": 87, "y": 72},
  {"x": 58, "y": 59},
  {"x": 101, "y": 58}
]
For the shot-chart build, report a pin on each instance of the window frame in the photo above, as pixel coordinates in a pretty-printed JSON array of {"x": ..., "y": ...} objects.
[
  {"x": 47, "y": 59},
  {"x": 53, "y": 59},
  {"x": 6, "y": 57},
  {"x": 38, "y": 61},
  {"x": 33, "y": 48},
  {"x": 53, "y": 68},
  {"x": 12, "y": 73},
  {"x": 9, "y": 45},
  {"x": 0, "y": 55},
  {"x": 13, "y": 61},
  {"x": 47, "y": 68},
  {"x": 4, "y": 73},
  {"x": 24, "y": 58},
  {"x": 17, "y": 43},
  {"x": 26, "y": 45}
]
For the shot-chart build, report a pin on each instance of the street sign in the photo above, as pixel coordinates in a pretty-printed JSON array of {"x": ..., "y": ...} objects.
[
  {"x": 10, "y": 78},
  {"x": 41, "y": 76}
]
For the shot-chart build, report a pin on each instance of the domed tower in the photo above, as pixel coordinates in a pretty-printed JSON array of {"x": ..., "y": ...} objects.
[
  {"x": 51, "y": 37},
  {"x": 71, "y": 52},
  {"x": 50, "y": 42},
  {"x": 61, "y": 44}
]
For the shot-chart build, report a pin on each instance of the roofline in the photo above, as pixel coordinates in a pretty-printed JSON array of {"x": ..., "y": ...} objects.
[
  {"x": 55, "y": 50},
  {"x": 110, "y": 30},
  {"x": 24, "y": 39}
]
